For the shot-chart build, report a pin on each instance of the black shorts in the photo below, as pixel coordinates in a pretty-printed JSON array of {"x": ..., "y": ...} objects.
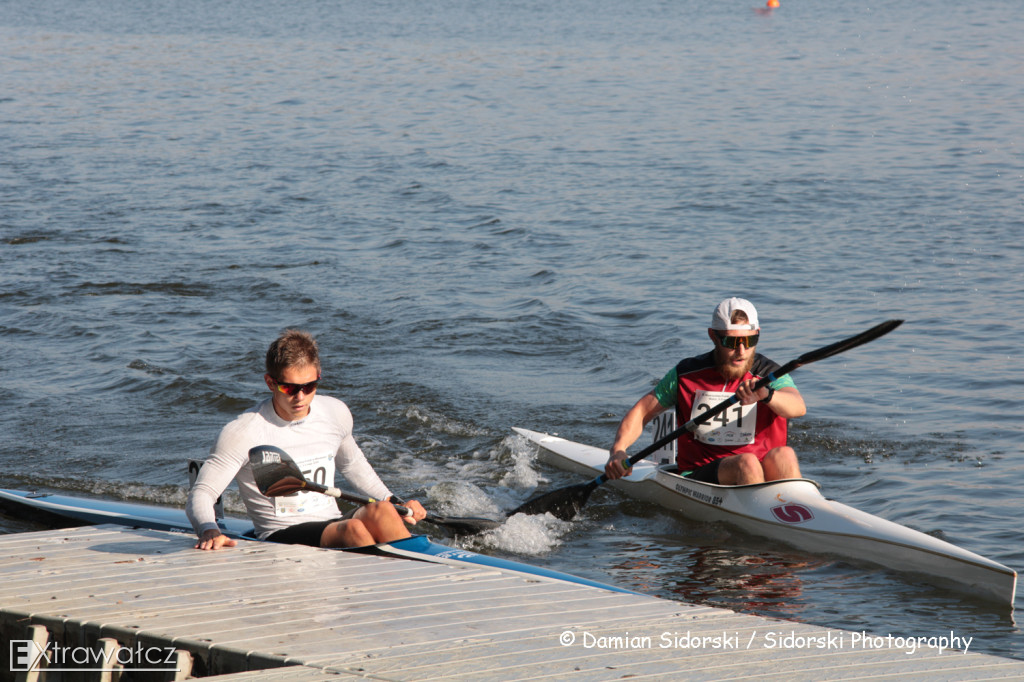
[
  {"x": 301, "y": 533},
  {"x": 707, "y": 473},
  {"x": 307, "y": 533}
]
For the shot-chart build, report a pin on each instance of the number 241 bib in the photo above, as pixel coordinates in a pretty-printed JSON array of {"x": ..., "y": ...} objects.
[{"x": 733, "y": 426}]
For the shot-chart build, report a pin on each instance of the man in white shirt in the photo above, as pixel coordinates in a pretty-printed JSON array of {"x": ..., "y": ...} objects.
[{"x": 316, "y": 431}]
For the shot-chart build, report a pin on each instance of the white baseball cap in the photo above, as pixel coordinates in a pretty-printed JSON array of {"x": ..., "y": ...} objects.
[{"x": 721, "y": 319}]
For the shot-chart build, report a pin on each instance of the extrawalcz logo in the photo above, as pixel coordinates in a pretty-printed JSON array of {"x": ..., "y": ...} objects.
[{"x": 27, "y": 655}]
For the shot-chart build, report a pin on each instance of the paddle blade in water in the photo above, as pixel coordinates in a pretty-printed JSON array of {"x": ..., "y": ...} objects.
[
  {"x": 564, "y": 503},
  {"x": 464, "y": 525}
]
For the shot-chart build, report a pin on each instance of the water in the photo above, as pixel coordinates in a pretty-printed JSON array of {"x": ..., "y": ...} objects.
[{"x": 498, "y": 214}]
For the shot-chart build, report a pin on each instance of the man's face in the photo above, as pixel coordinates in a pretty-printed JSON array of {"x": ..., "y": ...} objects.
[
  {"x": 295, "y": 406},
  {"x": 734, "y": 363}
]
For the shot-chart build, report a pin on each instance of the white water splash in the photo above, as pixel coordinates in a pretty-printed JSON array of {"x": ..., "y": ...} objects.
[
  {"x": 461, "y": 498},
  {"x": 522, "y": 473},
  {"x": 442, "y": 423},
  {"x": 527, "y": 535}
]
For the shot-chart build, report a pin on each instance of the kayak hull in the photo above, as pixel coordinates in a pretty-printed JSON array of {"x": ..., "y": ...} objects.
[
  {"x": 795, "y": 512},
  {"x": 67, "y": 510}
]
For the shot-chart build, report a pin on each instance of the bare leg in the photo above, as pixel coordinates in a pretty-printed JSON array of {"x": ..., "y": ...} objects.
[
  {"x": 347, "y": 533},
  {"x": 383, "y": 521},
  {"x": 781, "y": 463},
  {"x": 371, "y": 524},
  {"x": 742, "y": 469}
]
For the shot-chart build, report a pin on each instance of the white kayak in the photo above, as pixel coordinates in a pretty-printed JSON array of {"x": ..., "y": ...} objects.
[{"x": 794, "y": 511}]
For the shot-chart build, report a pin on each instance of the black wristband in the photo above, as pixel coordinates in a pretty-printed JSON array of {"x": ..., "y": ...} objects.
[{"x": 768, "y": 398}]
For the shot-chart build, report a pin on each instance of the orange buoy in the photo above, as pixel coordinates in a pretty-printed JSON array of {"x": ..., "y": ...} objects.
[{"x": 773, "y": 3}]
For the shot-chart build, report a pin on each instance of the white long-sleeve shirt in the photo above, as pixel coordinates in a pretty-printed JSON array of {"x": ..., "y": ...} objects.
[{"x": 321, "y": 443}]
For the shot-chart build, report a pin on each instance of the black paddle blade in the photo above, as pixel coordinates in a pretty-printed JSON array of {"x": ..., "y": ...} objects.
[
  {"x": 564, "y": 503},
  {"x": 847, "y": 344},
  {"x": 275, "y": 472},
  {"x": 464, "y": 525}
]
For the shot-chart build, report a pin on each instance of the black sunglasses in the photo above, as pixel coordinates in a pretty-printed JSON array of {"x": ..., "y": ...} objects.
[
  {"x": 737, "y": 341},
  {"x": 295, "y": 389}
]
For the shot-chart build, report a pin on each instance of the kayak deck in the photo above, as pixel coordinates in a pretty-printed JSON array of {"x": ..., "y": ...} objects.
[{"x": 794, "y": 511}]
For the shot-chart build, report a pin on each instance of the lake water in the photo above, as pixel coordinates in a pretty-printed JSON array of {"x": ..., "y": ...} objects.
[{"x": 522, "y": 214}]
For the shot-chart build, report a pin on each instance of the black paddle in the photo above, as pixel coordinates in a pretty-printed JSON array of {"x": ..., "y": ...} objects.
[
  {"x": 565, "y": 503},
  {"x": 277, "y": 474}
]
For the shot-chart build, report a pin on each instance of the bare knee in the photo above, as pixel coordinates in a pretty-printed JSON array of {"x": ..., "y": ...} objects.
[
  {"x": 382, "y": 521},
  {"x": 376, "y": 513},
  {"x": 781, "y": 462},
  {"x": 741, "y": 469},
  {"x": 347, "y": 533}
]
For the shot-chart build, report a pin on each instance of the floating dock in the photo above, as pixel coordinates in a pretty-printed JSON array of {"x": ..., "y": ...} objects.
[{"x": 101, "y": 602}]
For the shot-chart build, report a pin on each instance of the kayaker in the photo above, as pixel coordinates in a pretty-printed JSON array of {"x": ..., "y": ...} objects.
[
  {"x": 746, "y": 443},
  {"x": 316, "y": 430}
]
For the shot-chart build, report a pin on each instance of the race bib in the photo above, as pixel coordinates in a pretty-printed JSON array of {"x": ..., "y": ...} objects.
[
  {"x": 663, "y": 424},
  {"x": 733, "y": 426},
  {"x": 318, "y": 469}
]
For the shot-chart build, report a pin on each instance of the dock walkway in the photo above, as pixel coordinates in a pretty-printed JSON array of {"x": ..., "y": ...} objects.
[{"x": 263, "y": 611}]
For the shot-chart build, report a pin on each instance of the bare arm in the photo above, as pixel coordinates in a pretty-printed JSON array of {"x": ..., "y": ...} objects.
[
  {"x": 630, "y": 428},
  {"x": 786, "y": 402},
  {"x": 356, "y": 469}
]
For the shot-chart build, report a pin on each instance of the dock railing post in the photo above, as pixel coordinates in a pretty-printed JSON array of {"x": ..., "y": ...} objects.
[{"x": 40, "y": 638}]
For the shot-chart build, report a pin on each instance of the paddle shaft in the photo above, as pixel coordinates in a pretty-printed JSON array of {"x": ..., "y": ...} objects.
[
  {"x": 467, "y": 524},
  {"x": 351, "y": 497},
  {"x": 276, "y": 474},
  {"x": 806, "y": 358}
]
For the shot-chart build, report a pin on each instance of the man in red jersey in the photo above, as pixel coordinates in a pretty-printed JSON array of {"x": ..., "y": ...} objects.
[{"x": 747, "y": 442}]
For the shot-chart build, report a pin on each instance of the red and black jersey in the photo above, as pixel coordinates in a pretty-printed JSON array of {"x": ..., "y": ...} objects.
[{"x": 699, "y": 388}]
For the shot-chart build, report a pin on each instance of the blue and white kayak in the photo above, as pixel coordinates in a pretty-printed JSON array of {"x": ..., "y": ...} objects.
[
  {"x": 66, "y": 510},
  {"x": 794, "y": 511}
]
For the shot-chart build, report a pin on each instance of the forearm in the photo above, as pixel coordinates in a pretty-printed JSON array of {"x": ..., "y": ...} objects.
[
  {"x": 356, "y": 470},
  {"x": 629, "y": 430},
  {"x": 632, "y": 425},
  {"x": 787, "y": 403},
  {"x": 214, "y": 477},
  {"x": 200, "y": 509}
]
